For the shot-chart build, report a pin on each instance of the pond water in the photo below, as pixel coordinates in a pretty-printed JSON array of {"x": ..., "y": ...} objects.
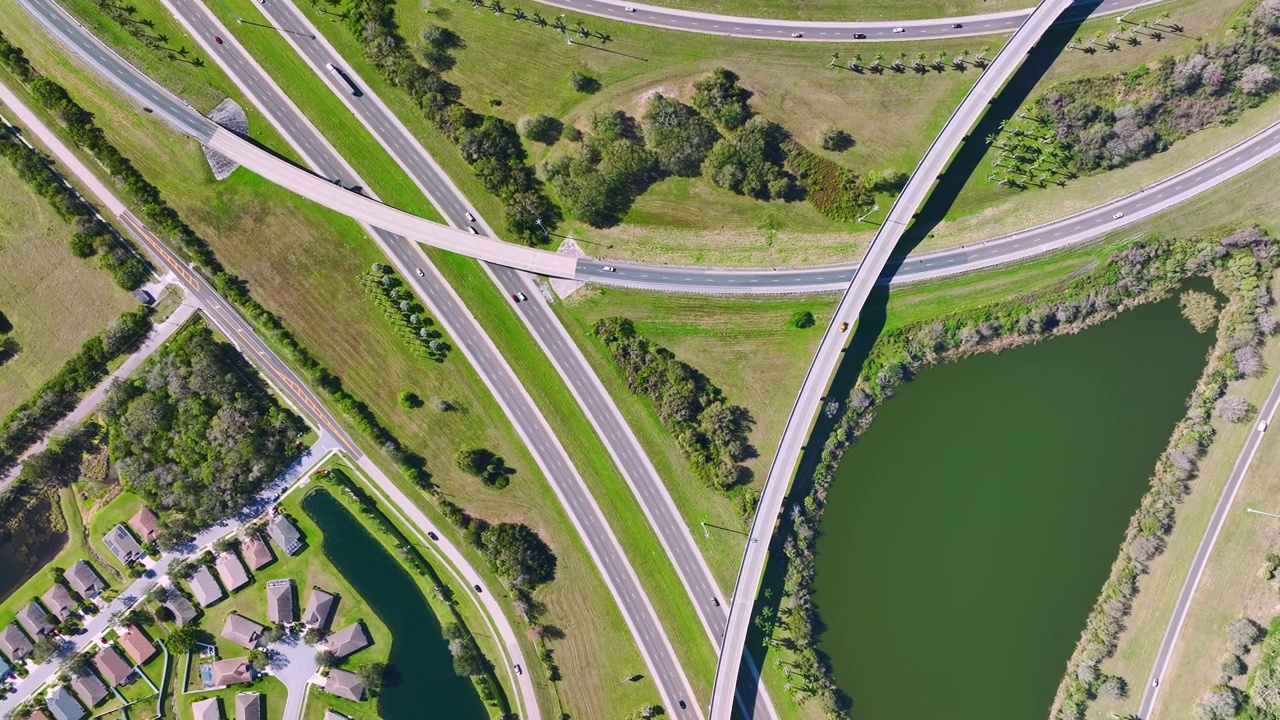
[
  {"x": 27, "y": 544},
  {"x": 969, "y": 531},
  {"x": 420, "y": 667}
]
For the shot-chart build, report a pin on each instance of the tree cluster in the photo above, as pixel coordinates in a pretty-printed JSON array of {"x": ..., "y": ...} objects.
[
  {"x": 401, "y": 308},
  {"x": 489, "y": 144},
  {"x": 833, "y": 189},
  {"x": 711, "y": 432},
  {"x": 600, "y": 179},
  {"x": 486, "y": 465},
  {"x": 191, "y": 437},
  {"x": 518, "y": 555},
  {"x": 721, "y": 98},
  {"x": 468, "y": 661}
]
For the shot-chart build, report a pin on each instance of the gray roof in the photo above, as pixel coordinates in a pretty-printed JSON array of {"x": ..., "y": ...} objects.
[
  {"x": 344, "y": 684},
  {"x": 242, "y": 631},
  {"x": 14, "y": 643},
  {"x": 207, "y": 709},
  {"x": 319, "y": 608},
  {"x": 145, "y": 524},
  {"x": 59, "y": 601},
  {"x": 231, "y": 571},
  {"x": 249, "y": 706},
  {"x": 348, "y": 640},
  {"x": 183, "y": 611},
  {"x": 231, "y": 671},
  {"x": 35, "y": 619},
  {"x": 280, "y": 602},
  {"x": 331, "y": 714},
  {"x": 89, "y": 688},
  {"x": 112, "y": 666},
  {"x": 205, "y": 587},
  {"x": 63, "y": 705},
  {"x": 122, "y": 544},
  {"x": 85, "y": 580},
  {"x": 256, "y": 552},
  {"x": 285, "y": 534}
]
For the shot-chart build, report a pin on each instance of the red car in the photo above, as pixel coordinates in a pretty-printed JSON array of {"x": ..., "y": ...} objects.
[{"x": 217, "y": 39}]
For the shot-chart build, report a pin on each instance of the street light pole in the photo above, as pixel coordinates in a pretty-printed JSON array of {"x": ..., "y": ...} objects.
[
  {"x": 1259, "y": 512},
  {"x": 705, "y": 533}
]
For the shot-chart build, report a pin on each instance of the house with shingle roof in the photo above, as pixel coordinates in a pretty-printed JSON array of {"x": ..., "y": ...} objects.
[
  {"x": 136, "y": 643},
  {"x": 331, "y": 714},
  {"x": 249, "y": 706},
  {"x": 112, "y": 666},
  {"x": 319, "y": 608},
  {"x": 348, "y": 640},
  {"x": 229, "y": 672},
  {"x": 182, "y": 609},
  {"x": 59, "y": 601},
  {"x": 89, "y": 688},
  {"x": 14, "y": 643},
  {"x": 344, "y": 684},
  {"x": 242, "y": 631},
  {"x": 145, "y": 524},
  {"x": 281, "y": 602},
  {"x": 37, "y": 714},
  {"x": 205, "y": 587},
  {"x": 256, "y": 552},
  {"x": 35, "y": 619},
  {"x": 5, "y": 669},
  {"x": 207, "y": 709},
  {"x": 63, "y": 705},
  {"x": 85, "y": 580},
  {"x": 122, "y": 544},
  {"x": 231, "y": 571},
  {"x": 285, "y": 534}
]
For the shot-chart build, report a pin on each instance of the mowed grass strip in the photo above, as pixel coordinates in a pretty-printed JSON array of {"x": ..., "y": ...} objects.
[
  {"x": 844, "y": 11},
  {"x": 53, "y": 300},
  {"x": 300, "y": 261}
]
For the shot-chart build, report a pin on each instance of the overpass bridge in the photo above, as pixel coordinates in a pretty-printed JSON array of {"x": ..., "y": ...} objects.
[{"x": 812, "y": 392}]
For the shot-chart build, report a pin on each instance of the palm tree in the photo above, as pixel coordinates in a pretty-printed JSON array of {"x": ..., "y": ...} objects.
[
  {"x": 982, "y": 56},
  {"x": 518, "y": 15},
  {"x": 1074, "y": 44},
  {"x": 603, "y": 37},
  {"x": 477, "y": 4},
  {"x": 538, "y": 19},
  {"x": 834, "y": 57},
  {"x": 875, "y": 62},
  {"x": 940, "y": 60},
  {"x": 496, "y": 7},
  {"x": 919, "y": 63},
  {"x": 897, "y": 62},
  {"x": 560, "y": 25},
  {"x": 857, "y": 61},
  {"x": 583, "y": 31}
]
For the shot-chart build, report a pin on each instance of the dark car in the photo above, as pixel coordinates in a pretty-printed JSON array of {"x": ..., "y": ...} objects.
[
  {"x": 859, "y": 36},
  {"x": 477, "y": 587},
  {"x": 217, "y": 39},
  {"x": 957, "y": 25},
  {"x": 682, "y": 705},
  {"x": 433, "y": 536}
]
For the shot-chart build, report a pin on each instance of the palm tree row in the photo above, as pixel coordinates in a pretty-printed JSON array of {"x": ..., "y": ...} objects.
[
  {"x": 559, "y": 24},
  {"x": 959, "y": 61},
  {"x": 1030, "y": 155}
]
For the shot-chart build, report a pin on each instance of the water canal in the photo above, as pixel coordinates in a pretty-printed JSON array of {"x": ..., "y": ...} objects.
[
  {"x": 969, "y": 531},
  {"x": 420, "y": 681}
]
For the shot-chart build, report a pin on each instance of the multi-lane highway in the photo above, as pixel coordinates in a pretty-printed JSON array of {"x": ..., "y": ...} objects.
[
  {"x": 813, "y": 389},
  {"x": 829, "y": 31},
  {"x": 293, "y": 389}
]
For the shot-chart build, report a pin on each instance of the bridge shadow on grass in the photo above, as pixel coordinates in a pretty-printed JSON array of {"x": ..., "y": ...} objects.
[{"x": 871, "y": 321}]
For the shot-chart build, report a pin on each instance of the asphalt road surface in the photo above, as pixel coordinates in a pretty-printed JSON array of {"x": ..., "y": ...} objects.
[
  {"x": 827, "y": 31},
  {"x": 1151, "y": 692},
  {"x": 831, "y": 349}
]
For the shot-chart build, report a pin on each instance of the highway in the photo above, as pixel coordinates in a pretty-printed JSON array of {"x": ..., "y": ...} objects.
[
  {"x": 830, "y": 351},
  {"x": 826, "y": 30},
  {"x": 1151, "y": 691},
  {"x": 292, "y": 389}
]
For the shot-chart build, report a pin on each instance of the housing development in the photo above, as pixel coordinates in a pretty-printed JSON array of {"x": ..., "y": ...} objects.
[{"x": 712, "y": 360}]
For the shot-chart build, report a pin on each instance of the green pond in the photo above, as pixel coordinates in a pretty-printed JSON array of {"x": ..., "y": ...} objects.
[
  {"x": 969, "y": 531},
  {"x": 420, "y": 667}
]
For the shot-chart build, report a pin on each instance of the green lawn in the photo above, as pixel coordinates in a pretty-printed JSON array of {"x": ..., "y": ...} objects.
[
  {"x": 65, "y": 513},
  {"x": 52, "y": 300},
  {"x": 273, "y": 689},
  {"x": 844, "y": 10}
]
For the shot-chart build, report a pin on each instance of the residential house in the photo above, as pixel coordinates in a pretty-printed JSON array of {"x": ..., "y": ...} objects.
[
  {"x": 207, "y": 709},
  {"x": 14, "y": 643},
  {"x": 5, "y": 669},
  {"x": 37, "y": 714},
  {"x": 59, "y": 601},
  {"x": 182, "y": 609},
  {"x": 344, "y": 684},
  {"x": 319, "y": 608},
  {"x": 136, "y": 643},
  {"x": 63, "y": 705},
  {"x": 89, "y": 688},
  {"x": 35, "y": 619},
  {"x": 242, "y": 631},
  {"x": 281, "y": 602},
  {"x": 112, "y": 666},
  {"x": 331, "y": 714},
  {"x": 256, "y": 552},
  {"x": 230, "y": 672},
  {"x": 348, "y": 640},
  {"x": 205, "y": 587},
  {"x": 285, "y": 534},
  {"x": 85, "y": 580},
  {"x": 249, "y": 706},
  {"x": 122, "y": 544},
  {"x": 231, "y": 571},
  {"x": 145, "y": 525}
]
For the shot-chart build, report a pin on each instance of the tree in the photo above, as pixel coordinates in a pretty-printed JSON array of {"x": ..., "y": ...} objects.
[
  {"x": 801, "y": 319},
  {"x": 584, "y": 83},
  {"x": 678, "y": 135},
  {"x": 1233, "y": 666},
  {"x": 486, "y": 465},
  {"x": 182, "y": 640},
  {"x": 1248, "y": 361},
  {"x": 1199, "y": 308},
  {"x": 164, "y": 614},
  {"x": 1242, "y": 633},
  {"x": 272, "y": 635},
  {"x": 371, "y": 675},
  {"x": 410, "y": 400},
  {"x": 1257, "y": 79},
  {"x": 722, "y": 99},
  {"x": 1222, "y": 702},
  {"x": 326, "y": 659},
  {"x": 1233, "y": 408},
  {"x": 837, "y": 140},
  {"x": 74, "y": 664},
  {"x": 542, "y": 128},
  {"x": 518, "y": 555}
]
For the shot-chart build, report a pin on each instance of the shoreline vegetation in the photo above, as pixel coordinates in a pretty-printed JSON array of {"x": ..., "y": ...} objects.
[{"x": 1150, "y": 269}]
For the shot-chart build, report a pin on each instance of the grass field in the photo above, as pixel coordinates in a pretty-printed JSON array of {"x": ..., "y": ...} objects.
[
  {"x": 53, "y": 300},
  {"x": 847, "y": 9}
]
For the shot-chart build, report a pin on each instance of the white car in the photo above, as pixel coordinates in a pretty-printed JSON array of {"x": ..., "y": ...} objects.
[
  {"x": 797, "y": 35},
  {"x": 518, "y": 670},
  {"x": 630, "y": 9},
  {"x": 899, "y": 30},
  {"x": 609, "y": 268},
  {"x": 420, "y": 273},
  {"x": 1262, "y": 426},
  {"x": 471, "y": 217},
  {"x": 472, "y": 229},
  {"x": 1117, "y": 216}
]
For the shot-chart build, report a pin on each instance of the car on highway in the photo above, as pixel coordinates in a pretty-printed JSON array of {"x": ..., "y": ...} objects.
[
  {"x": 797, "y": 35},
  {"x": 899, "y": 30},
  {"x": 1117, "y": 216},
  {"x": 682, "y": 705},
  {"x": 609, "y": 268},
  {"x": 630, "y": 9},
  {"x": 1262, "y": 426},
  {"x": 217, "y": 39},
  {"x": 472, "y": 229},
  {"x": 433, "y": 536},
  {"x": 1155, "y": 683},
  {"x": 715, "y": 602},
  {"x": 470, "y": 217},
  {"x": 859, "y": 36},
  {"x": 844, "y": 326},
  {"x": 478, "y": 588},
  {"x": 518, "y": 670},
  {"x": 519, "y": 296},
  {"x": 420, "y": 273},
  {"x": 956, "y": 26}
]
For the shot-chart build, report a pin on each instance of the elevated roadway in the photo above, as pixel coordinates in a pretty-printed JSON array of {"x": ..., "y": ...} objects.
[{"x": 813, "y": 390}]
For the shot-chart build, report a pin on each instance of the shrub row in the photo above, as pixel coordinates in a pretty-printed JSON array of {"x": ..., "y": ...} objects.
[{"x": 401, "y": 308}]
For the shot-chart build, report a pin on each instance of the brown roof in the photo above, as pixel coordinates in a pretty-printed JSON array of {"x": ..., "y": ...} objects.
[
  {"x": 14, "y": 643},
  {"x": 280, "y": 602},
  {"x": 37, "y": 714},
  {"x": 231, "y": 671},
  {"x": 348, "y": 640},
  {"x": 89, "y": 688},
  {"x": 242, "y": 631},
  {"x": 256, "y": 552},
  {"x": 345, "y": 684},
  {"x": 146, "y": 525},
  {"x": 331, "y": 714},
  {"x": 249, "y": 706},
  {"x": 319, "y": 608},
  {"x": 59, "y": 601},
  {"x": 231, "y": 571},
  {"x": 207, "y": 709},
  {"x": 137, "y": 644},
  {"x": 112, "y": 666}
]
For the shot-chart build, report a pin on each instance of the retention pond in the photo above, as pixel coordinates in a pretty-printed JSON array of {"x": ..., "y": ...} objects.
[{"x": 970, "y": 529}]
